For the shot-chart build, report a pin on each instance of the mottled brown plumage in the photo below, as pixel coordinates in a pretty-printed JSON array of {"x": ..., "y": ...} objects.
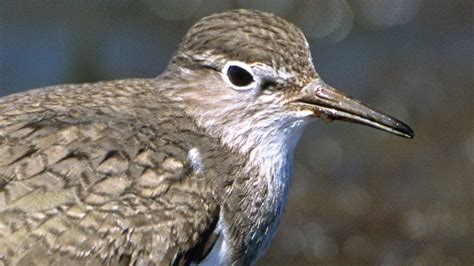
[
  {"x": 89, "y": 171},
  {"x": 164, "y": 171}
]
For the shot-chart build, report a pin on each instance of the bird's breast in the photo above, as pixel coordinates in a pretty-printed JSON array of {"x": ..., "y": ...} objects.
[{"x": 252, "y": 208}]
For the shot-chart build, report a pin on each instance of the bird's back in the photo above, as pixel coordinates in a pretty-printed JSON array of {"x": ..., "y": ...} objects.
[{"x": 102, "y": 171}]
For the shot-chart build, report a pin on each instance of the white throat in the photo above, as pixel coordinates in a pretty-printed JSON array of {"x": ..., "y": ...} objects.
[{"x": 269, "y": 145}]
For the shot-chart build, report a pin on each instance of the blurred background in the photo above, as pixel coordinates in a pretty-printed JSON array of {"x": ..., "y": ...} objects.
[{"x": 358, "y": 196}]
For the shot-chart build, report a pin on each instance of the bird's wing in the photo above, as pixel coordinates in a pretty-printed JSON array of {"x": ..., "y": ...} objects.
[{"x": 107, "y": 189}]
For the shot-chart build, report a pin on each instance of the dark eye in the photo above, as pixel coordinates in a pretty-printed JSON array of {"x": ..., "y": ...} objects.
[{"x": 239, "y": 76}]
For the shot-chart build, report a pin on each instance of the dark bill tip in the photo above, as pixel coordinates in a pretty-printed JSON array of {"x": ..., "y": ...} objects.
[{"x": 377, "y": 120}]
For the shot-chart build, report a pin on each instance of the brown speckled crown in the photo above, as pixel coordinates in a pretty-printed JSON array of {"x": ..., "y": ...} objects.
[{"x": 249, "y": 36}]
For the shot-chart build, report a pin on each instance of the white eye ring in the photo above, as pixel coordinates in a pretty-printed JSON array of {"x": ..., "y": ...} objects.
[{"x": 241, "y": 65}]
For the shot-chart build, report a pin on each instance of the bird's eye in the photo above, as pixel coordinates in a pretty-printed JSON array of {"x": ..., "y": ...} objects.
[{"x": 239, "y": 76}]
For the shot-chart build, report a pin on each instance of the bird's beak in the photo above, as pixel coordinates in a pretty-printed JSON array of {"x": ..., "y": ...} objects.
[{"x": 330, "y": 104}]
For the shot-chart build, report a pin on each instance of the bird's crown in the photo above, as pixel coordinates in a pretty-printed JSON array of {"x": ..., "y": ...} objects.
[{"x": 248, "y": 36}]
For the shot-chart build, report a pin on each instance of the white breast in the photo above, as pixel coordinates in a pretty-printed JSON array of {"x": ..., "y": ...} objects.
[{"x": 273, "y": 157}]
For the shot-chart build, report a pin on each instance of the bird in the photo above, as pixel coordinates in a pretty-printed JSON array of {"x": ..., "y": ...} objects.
[{"x": 190, "y": 167}]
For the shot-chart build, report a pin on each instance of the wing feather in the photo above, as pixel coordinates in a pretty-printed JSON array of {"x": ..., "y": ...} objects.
[{"x": 78, "y": 188}]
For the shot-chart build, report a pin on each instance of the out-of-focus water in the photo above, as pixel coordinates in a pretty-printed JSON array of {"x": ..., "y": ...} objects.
[{"x": 359, "y": 196}]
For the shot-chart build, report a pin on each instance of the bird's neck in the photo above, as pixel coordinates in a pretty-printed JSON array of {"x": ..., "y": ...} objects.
[
  {"x": 268, "y": 146},
  {"x": 264, "y": 141}
]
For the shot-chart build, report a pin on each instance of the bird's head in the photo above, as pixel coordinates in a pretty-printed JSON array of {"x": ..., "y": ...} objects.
[{"x": 243, "y": 71}]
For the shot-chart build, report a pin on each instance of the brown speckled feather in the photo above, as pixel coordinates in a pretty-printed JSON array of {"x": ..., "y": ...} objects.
[{"x": 85, "y": 180}]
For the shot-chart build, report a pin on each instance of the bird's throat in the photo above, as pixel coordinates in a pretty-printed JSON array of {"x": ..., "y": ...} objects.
[{"x": 267, "y": 174}]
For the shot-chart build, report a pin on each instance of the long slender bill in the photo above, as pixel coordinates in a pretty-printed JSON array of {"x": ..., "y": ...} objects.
[{"x": 330, "y": 104}]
